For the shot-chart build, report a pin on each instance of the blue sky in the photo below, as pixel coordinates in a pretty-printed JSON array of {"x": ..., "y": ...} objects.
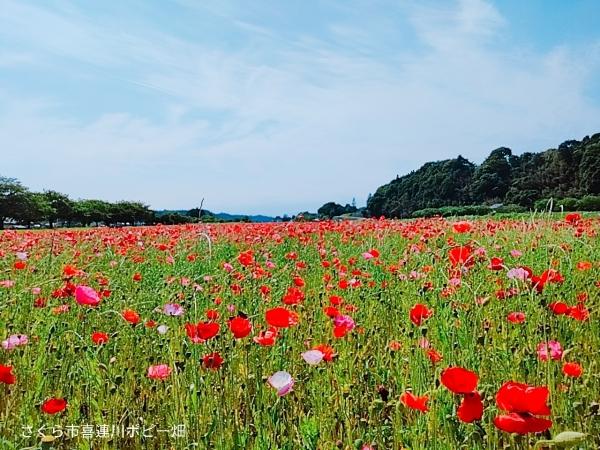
[{"x": 279, "y": 106}]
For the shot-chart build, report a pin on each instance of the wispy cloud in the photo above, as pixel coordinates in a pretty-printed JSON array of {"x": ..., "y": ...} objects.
[{"x": 282, "y": 119}]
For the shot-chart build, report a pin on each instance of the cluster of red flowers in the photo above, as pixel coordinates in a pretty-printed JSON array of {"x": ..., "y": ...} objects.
[{"x": 283, "y": 302}]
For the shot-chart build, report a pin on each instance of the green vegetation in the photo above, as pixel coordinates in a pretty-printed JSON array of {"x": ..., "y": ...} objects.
[{"x": 570, "y": 172}]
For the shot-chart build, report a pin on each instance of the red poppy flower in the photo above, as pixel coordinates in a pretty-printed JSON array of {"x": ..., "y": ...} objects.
[
  {"x": 212, "y": 314},
  {"x": 293, "y": 296},
  {"x": 240, "y": 327},
  {"x": 99, "y": 338},
  {"x": 471, "y": 408},
  {"x": 54, "y": 405},
  {"x": 521, "y": 423},
  {"x": 496, "y": 264},
  {"x": 339, "y": 331},
  {"x": 266, "y": 338},
  {"x": 131, "y": 316},
  {"x": 336, "y": 300},
  {"x": 20, "y": 265},
  {"x": 459, "y": 380},
  {"x": 516, "y": 317},
  {"x": 522, "y": 398},
  {"x": 331, "y": 311},
  {"x": 246, "y": 258},
  {"x": 265, "y": 290},
  {"x": 461, "y": 256},
  {"x": 551, "y": 276},
  {"x": 411, "y": 401},
  {"x": 6, "y": 375},
  {"x": 419, "y": 313},
  {"x": 328, "y": 352},
  {"x": 572, "y": 369},
  {"x": 70, "y": 271},
  {"x": 579, "y": 312},
  {"x": 281, "y": 318},
  {"x": 202, "y": 331},
  {"x": 434, "y": 356},
  {"x": 462, "y": 227},
  {"x": 573, "y": 218},
  {"x": 559, "y": 308},
  {"x": 212, "y": 361},
  {"x": 137, "y": 277}
]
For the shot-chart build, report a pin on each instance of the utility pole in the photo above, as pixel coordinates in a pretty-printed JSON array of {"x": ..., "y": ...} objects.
[{"x": 200, "y": 210}]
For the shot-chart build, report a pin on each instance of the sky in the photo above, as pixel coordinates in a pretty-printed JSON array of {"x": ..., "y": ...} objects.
[{"x": 278, "y": 106}]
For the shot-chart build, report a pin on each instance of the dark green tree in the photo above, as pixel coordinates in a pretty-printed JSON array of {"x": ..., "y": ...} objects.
[
  {"x": 13, "y": 198},
  {"x": 491, "y": 180},
  {"x": 62, "y": 207}
]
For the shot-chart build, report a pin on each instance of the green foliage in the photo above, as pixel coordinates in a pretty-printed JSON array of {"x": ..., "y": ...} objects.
[
  {"x": 332, "y": 209},
  {"x": 586, "y": 203},
  {"x": 492, "y": 178},
  {"x": 450, "y": 211},
  {"x": 62, "y": 207},
  {"x": 569, "y": 172},
  {"x": 436, "y": 184},
  {"x": 589, "y": 203},
  {"x": 13, "y": 198},
  {"x": 35, "y": 208}
]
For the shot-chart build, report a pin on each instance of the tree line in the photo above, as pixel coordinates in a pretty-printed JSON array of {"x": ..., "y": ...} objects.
[
  {"x": 19, "y": 205},
  {"x": 570, "y": 172}
]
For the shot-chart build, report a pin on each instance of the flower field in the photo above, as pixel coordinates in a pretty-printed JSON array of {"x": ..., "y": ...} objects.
[{"x": 379, "y": 334}]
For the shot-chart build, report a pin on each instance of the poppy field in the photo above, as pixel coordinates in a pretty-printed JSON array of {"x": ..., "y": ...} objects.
[{"x": 377, "y": 334}]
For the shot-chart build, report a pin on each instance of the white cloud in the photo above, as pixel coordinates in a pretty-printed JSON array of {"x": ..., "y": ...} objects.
[{"x": 298, "y": 123}]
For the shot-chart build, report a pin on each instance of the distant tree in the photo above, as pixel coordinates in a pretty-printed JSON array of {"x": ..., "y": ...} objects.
[
  {"x": 590, "y": 170},
  {"x": 127, "y": 212},
  {"x": 13, "y": 198},
  {"x": 92, "y": 211},
  {"x": 35, "y": 208},
  {"x": 435, "y": 184},
  {"x": 331, "y": 209},
  {"x": 62, "y": 207},
  {"x": 174, "y": 219},
  {"x": 204, "y": 214},
  {"x": 491, "y": 180}
]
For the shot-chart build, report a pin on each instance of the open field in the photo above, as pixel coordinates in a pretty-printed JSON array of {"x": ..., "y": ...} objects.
[{"x": 321, "y": 335}]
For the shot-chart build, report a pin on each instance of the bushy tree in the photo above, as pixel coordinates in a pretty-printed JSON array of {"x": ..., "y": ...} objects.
[
  {"x": 491, "y": 180},
  {"x": 13, "y": 199},
  {"x": 62, "y": 207}
]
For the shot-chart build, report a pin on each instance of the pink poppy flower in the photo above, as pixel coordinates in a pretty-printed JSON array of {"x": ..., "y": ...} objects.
[
  {"x": 15, "y": 340},
  {"x": 517, "y": 273},
  {"x": 159, "y": 372},
  {"x": 552, "y": 350},
  {"x": 313, "y": 357},
  {"x": 282, "y": 382},
  {"x": 85, "y": 295},
  {"x": 173, "y": 309}
]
